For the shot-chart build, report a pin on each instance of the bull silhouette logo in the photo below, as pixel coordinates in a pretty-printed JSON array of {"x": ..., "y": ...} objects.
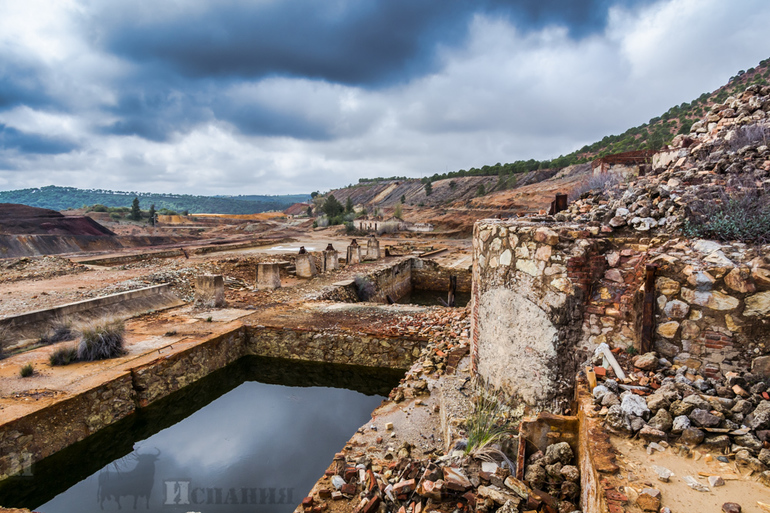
[{"x": 137, "y": 482}]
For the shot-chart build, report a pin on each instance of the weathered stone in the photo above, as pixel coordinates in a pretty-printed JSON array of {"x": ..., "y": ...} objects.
[
  {"x": 657, "y": 401},
  {"x": 749, "y": 441},
  {"x": 716, "y": 442},
  {"x": 716, "y": 481},
  {"x": 739, "y": 280},
  {"x": 691, "y": 436},
  {"x": 560, "y": 452},
  {"x": 632, "y": 404},
  {"x": 668, "y": 329},
  {"x": 760, "y": 418},
  {"x": 731, "y": 507},
  {"x": 745, "y": 459},
  {"x": 455, "y": 479},
  {"x": 676, "y": 309},
  {"x": 651, "y": 434},
  {"x": 527, "y": 266},
  {"x": 681, "y": 408},
  {"x": 764, "y": 478},
  {"x": 617, "y": 421},
  {"x": 761, "y": 276},
  {"x": 647, "y": 362},
  {"x": 690, "y": 330},
  {"x": 679, "y": 424},
  {"x": 544, "y": 253},
  {"x": 662, "y": 421},
  {"x": 714, "y": 299},
  {"x": 697, "y": 401},
  {"x": 505, "y": 257},
  {"x": 610, "y": 400},
  {"x": 764, "y": 456},
  {"x": 667, "y": 286},
  {"x": 663, "y": 473},
  {"x": 535, "y": 475},
  {"x": 649, "y": 500},
  {"x": 547, "y": 236},
  {"x": 571, "y": 473},
  {"x": 702, "y": 418},
  {"x": 758, "y": 305}
]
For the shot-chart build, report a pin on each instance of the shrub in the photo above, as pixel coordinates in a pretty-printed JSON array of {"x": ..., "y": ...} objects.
[
  {"x": 599, "y": 183},
  {"x": 387, "y": 227},
  {"x": 101, "y": 340},
  {"x": 743, "y": 215},
  {"x": 27, "y": 371},
  {"x": 60, "y": 329},
  {"x": 749, "y": 135},
  {"x": 63, "y": 356},
  {"x": 487, "y": 425}
]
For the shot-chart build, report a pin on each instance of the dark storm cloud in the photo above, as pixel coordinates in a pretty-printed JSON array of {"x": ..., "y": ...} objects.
[
  {"x": 13, "y": 139},
  {"x": 353, "y": 43},
  {"x": 21, "y": 85},
  {"x": 256, "y": 119}
]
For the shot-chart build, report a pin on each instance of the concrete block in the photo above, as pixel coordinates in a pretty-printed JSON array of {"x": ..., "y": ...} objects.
[
  {"x": 372, "y": 249},
  {"x": 210, "y": 289},
  {"x": 305, "y": 265},
  {"x": 331, "y": 259},
  {"x": 354, "y": 253},
  {"x": 268, "y": 276}
]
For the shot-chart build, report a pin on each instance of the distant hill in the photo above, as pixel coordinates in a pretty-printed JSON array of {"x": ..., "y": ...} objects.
[{"x": 63, "y": 198}]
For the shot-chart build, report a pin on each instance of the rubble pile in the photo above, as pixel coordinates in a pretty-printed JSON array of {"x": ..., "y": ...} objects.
[
  {"x": 449, "y": 483},
  {"x": 669, "y": 403},
  {"x": 724, "y": 151},
  {"x": 37, "y": 268}
]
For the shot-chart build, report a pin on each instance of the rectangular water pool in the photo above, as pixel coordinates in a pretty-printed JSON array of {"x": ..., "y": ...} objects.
[{"x": 252, "y": 437}]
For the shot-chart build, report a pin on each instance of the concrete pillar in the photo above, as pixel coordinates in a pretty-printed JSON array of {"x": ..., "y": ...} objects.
[
  {"x": 210, "y": 289},
  {"x": 372, "y": 249},
  {"x": 331, "y": 259},
  {"x": 268, "y": 275},
  {"x": 354, "y": 253},
  {"x": 305, "y": 264}
]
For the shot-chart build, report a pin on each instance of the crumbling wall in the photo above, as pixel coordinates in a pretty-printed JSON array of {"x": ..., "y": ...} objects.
[
  {"x": 333, "y": 347},
  {"x": 527, "y": 309},
  {"x": 546, "y": 295},
  {"x": 429, "y": 275}
]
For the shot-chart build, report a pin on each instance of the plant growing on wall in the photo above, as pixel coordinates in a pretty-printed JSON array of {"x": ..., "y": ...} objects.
[{"x": 487, "y": 426}]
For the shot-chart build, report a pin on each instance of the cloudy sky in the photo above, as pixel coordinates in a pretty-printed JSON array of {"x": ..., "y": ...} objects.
[{"x": 291, "y": 96}]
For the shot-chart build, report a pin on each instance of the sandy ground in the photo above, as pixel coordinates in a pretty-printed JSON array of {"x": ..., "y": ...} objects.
[{"x": 739, "y": 487}]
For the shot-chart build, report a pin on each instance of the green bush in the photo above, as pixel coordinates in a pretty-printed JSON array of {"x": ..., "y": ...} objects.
[
  {"x": 101, "y": 340},
  {"x": 27, "y": 371},
  {"x": 743, "y": 216},
  {"x": 63, "y": 356}
]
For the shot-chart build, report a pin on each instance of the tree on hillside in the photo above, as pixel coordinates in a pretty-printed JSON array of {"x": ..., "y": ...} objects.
[
  {"x": 152, "y": 214},
  {"x": 136, "y": 213},
  {"x": 314, "y": 194},
  {"x": 428, "y": 188},
  {"x": 349, "y": 206},
  {"x": 331, "y": 207},
  {"x": 310, "y": 211},
  {"x": 399, "y": 211}
]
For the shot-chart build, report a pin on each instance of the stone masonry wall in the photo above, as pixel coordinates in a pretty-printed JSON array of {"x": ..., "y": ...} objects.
[
  {"x": 33, "y": 437},
  {"x": 428, "y": 275},
  {"x": 527, "y": 303},
  {"x": 334, "y": 347},
  {"x": 543, "y": 291}
]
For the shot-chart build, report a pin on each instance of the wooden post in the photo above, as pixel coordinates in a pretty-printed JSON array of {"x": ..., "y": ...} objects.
[
  {"x": 648, "y": 310},
  {"x": 452, "y": 290}
]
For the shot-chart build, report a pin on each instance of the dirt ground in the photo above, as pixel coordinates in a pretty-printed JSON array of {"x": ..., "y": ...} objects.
[{"x": 637, "y": 470}]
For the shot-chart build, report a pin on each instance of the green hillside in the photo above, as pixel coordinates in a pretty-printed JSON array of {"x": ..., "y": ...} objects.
[
  {"x": 654, "y": 134},
  {"x": 63, "y": 198}
]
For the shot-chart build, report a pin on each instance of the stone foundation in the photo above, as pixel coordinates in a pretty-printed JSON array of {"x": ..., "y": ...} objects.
[
  {"x": 210, "y": 290},
  {"x": 268, "y": 276}
]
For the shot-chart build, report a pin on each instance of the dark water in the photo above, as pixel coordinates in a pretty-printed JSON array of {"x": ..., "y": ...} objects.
[
  {"x": 433, "y": 298},
  {"x": 253, "y": 437}
]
